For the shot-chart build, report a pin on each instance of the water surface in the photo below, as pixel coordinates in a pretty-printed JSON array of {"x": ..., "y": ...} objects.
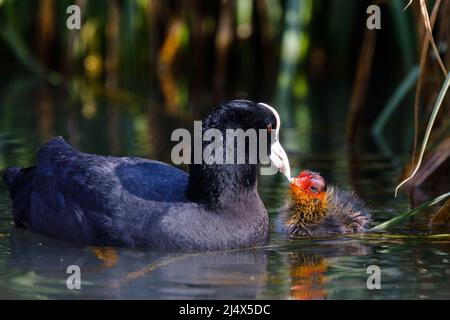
[{"x": 414, "y": 264}]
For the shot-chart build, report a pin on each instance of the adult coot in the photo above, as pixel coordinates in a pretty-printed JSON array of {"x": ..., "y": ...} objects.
[
  {"x": 315, "y": 209},
  {"x": 114, "y": 201}
]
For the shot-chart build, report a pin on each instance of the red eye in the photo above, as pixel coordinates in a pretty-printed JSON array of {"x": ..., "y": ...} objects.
[{"x": 269, "y": 128}]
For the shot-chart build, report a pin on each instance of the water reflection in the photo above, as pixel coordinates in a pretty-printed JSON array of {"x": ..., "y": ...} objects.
[
  {"x": 125, "y": 273},
  {"x": 308, "y": 269},
  {"x": 308, "y": 276}
]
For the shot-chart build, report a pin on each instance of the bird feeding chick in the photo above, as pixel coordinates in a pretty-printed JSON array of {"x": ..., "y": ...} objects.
[{"x": 315, "y": 209}]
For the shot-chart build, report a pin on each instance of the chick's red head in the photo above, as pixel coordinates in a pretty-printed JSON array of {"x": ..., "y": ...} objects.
[{"x": 310, "y": 183}]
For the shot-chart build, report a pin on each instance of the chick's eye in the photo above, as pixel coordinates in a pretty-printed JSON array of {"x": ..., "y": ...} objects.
[
  {"x": 269, "y": 127},
  {"x": 314, "y": 189}
]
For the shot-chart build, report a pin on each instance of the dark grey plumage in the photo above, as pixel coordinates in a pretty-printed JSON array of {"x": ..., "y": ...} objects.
[{"x": 130, "y": 201}]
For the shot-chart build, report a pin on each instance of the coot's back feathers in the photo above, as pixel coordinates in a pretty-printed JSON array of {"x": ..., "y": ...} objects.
[
  {"x": 20, "y": 184},
  {"x": 72, "y": 195}
]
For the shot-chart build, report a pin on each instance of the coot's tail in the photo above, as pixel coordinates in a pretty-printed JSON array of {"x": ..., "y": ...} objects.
[{"x": 20, "y": 185}]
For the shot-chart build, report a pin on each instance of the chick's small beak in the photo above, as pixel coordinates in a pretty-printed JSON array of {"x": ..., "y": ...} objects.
[{"x": 280, "y": 159}]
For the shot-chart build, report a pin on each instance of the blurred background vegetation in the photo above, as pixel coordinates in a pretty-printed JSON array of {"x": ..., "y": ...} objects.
[{"x": 137, "y": 69}]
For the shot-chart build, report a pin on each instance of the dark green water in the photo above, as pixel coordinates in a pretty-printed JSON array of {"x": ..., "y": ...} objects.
[{"x": 414, "y": 264}]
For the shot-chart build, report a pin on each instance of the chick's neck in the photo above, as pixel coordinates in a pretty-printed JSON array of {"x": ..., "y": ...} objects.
[{"x": 306, "y": 209}]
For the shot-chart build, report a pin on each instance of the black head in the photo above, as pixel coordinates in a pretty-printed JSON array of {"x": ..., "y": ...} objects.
[
  {"x": 243, "y": 114},
  {"x": 208, "y": 182},
  {"x": 251, "y": 118}
]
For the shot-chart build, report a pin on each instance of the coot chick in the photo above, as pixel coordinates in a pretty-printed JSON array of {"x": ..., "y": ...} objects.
[
  {"x": 129, "y": 201},
  {"x": 315, "y": 209}
]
